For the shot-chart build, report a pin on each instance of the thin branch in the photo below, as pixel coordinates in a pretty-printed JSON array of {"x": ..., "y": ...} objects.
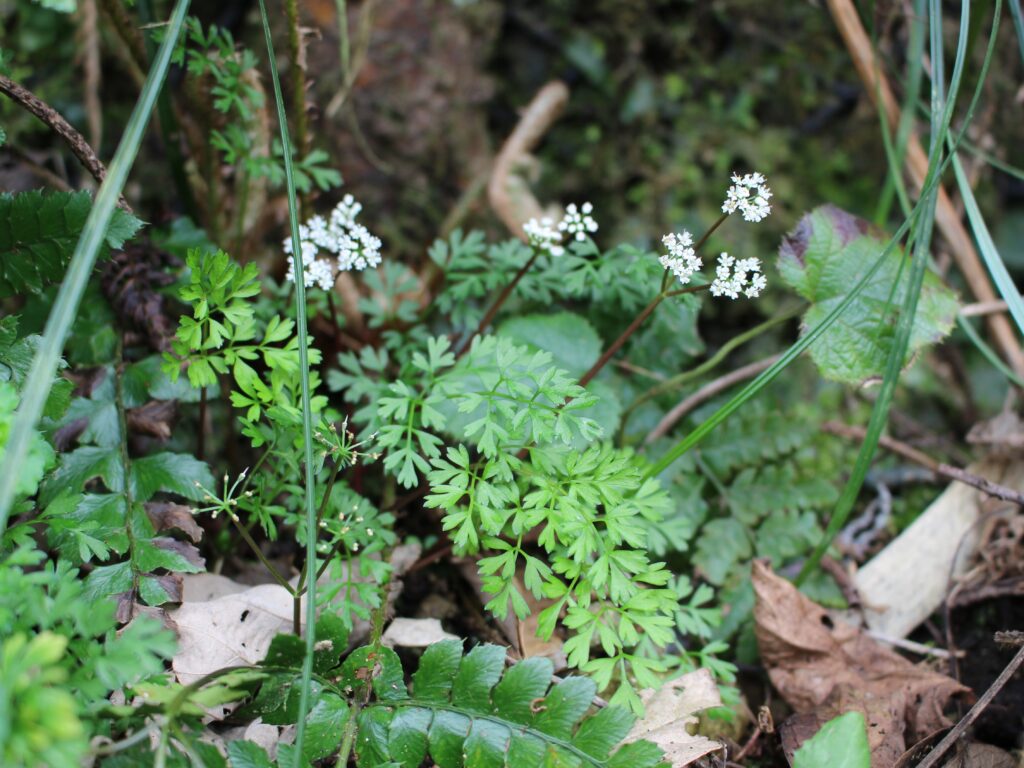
[
  {"x": 48, "y": 115},
  {"x": 705, "y": 393},
  {"x": 954, "y": 735},
  {"x": 945, "y": 470}
]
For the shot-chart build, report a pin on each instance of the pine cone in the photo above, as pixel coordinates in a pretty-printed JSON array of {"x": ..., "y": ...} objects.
[{"x": 131, "y": 279}]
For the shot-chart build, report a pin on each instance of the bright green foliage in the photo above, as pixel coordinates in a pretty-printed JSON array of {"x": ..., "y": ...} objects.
[
  {"x": 591, "y": 513},
  {"x": 60, "y": 658},
  {"x": 463, "y": 711},
  {"x": 38, "y": 232},
  {"x": 826, "y": 255},
  {"x": 40, "y": 455},
  {"x": 223, "y": 336},
  {"x": 841, "y": 743}
]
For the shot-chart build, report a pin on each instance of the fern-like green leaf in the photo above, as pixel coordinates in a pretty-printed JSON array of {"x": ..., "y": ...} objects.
[
  {"x": 38, "y": 232},
  {"x": 464, "y": 712}
]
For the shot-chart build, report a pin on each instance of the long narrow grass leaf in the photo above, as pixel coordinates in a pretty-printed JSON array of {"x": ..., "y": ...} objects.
[
  {"x": 65, "y": 306},
  {"x": 942, "y": 111},
  {"x": 307, "y": 410},
  {"x": 987, "y": 247}
]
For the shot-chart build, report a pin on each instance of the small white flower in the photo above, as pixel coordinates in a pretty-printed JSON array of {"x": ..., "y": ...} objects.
[
  {"x": 543, "y": 236},
  {"x": 681, "y": 259},
  {"x": 734, "y": 277},
  {"x": 345, "y": 212},
  {"x": 352, "y": 245},
  {"x": 577, "y": 222},
  {"x": 749, "y": 195}
]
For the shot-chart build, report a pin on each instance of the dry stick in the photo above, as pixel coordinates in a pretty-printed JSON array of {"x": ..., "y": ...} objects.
[
  {"x": 958, "y": 730},
  {"x": 945, "y": 470},
  {"x": 48, "y": 115},
  {"x": 877, "y": 86},
  {"x": 545, "y": 108},
  {"x": 90, "y": 60},
  {"x": 705, "y": 393}
]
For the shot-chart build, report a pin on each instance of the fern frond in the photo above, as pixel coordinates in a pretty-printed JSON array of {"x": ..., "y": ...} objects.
[{"x": 464, "y": 711}]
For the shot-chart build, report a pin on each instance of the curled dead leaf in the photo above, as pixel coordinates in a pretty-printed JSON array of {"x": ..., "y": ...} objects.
[
  {"x": 825, "y": 667},
  {"x": 673, "y": 707}
]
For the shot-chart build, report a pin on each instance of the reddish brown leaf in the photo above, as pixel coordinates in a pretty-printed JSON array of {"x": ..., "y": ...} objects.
[
  {"x": 824, "y": 666},
  {"x": 154, "y": 418},
  {"x": 166, "y": 516}
]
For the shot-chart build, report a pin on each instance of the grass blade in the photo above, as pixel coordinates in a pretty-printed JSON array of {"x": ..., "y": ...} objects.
[
  {"x": 307, "y": 410},
  {"x": 65, "y": 307},
  {"x": 989, "y": 252}
]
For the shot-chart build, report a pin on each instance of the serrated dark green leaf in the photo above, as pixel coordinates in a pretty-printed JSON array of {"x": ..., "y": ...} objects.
[
  {"x": 407, "y": 736},
  {"x": 38, "y": 233},
  {"x": 246, "y": 754},
  {"x": 380, "y": 668},
  {"x": 521, "y": 686},
  {"x": 598, "y": 735},
  {"x": 372, "y": 739},
  {"x": 177, "y": 473},
  {"x": 432, "y": 681},
  {"x": 332, "y": 641},
  {"x": 325, "y": 725},
  {"x": 79, "y": 467},
  {"x": 823, "y": 258},
  {"x": 479, "y": 671},
  {"x": 285, "y": 651},
  {"x": 563, "y": 707}
]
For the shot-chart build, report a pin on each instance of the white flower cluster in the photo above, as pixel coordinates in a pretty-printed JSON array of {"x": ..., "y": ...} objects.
[
  {"x": 577, "y": 222},
  {"x": 734, "y": 277},
  {"x": 348, "y": 245},
  {"x": 544, "y": 235},
  {"x": 681, "y": 260},
  {"x": 749, "y": 195}
]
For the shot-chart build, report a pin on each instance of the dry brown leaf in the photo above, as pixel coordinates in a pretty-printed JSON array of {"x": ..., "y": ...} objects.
[
  {"x": 415, "y": 633},
  {"x": 824, "y": 666},
  {"x": 166, "y": 516},
  {"x": 229, "y": 631},
  {"x": 673, "y": 707}
]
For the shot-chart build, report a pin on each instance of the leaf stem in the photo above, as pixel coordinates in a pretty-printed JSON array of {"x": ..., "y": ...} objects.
[{"x": 496, "y": 305}]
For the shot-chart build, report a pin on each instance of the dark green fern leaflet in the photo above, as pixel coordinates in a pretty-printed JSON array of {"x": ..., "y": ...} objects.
[
  {"x": 38, "y": 232},
  {"x": 464, "y": 712}
]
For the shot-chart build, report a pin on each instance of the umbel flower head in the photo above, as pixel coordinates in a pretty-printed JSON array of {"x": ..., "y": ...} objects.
[
  {"x": 681, "y": 260},
  {"x": 334, "y": 244},
  {"x": 733, "y": 277},
  {"x": 546, "y": 236},
  {"x": 749, "y": 195}
]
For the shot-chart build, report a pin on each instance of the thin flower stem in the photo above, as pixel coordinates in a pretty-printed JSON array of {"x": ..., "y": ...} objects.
[
  {"x": 301, "y": 588},
  {"x": 493, "y": 310},
  {"x": 617, "y": 344},
  {"x": 706, "y": 235},
  {"x": 259, "y": 554},
  {"x": 632, "y": 328}
]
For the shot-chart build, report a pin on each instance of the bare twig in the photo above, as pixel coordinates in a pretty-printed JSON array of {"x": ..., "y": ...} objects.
[
  {"x": 954, "y": 735},
  {"x": 90, "y": 61},
  {"x": 877, "y": 86},
  {"x": 48, "y": 115},
  {"x": 705, "y": 393},
  {"x": 983, "y": 308},
  {"x": 539, "y": 115},
  {"x": 945, "y": 470}
]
